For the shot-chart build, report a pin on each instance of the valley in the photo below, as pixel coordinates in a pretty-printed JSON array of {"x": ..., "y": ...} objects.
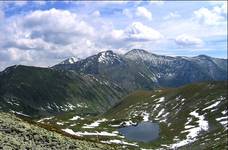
[{"x": 185, "y": 119}]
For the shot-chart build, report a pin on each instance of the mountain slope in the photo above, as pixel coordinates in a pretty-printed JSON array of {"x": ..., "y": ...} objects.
[
  {"x": 139, "y": 69},
  {"x": 191, "y": 116},
  {"x": 176, "y": 71},
  {"x": 42, "y": 91}
]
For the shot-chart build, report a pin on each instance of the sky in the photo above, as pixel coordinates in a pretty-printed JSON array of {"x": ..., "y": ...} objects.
[{"x": 43, "y": 33}]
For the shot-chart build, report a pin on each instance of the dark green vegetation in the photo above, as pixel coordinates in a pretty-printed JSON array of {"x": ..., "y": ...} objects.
[{"x": 42, "y": 91}]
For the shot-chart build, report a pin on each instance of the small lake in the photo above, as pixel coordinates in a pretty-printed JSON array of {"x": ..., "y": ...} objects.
[{"x": 143, "y": 132}]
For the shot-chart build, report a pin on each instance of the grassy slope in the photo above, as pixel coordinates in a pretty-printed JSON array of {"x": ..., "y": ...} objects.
[{"x": 197, "y": 97}]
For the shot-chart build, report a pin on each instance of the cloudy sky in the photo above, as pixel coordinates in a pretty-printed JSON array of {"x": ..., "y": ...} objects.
[{"x": 43, "y": 33}]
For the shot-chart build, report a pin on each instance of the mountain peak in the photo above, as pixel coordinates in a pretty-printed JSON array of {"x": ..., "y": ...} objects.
[
  {"x": 139, "y": 51},
  {"x": 108, "y": 52},
  {"x": 139, "y": 54},
  {"x": 108, "y": 57},
  {"x": 203, "y": 56},
  {"x": 70, "y": 60}
]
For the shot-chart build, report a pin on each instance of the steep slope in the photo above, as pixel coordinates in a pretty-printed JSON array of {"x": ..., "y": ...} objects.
[
  {"x": 139, "y": 69},
  {"x": 18, "y": 134},
  {"x": 41, "y": 91}
]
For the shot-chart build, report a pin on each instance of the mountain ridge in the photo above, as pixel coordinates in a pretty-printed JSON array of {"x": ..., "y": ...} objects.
[{"x": 158, "y": 70}]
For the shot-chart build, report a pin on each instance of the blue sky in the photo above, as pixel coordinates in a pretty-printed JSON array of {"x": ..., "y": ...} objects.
[{"x": 42, "y": 33}]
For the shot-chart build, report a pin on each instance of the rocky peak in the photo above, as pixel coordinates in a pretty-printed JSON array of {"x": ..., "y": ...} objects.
[
  {"x": 108, "y": 57},
  {"x": 70, "y": 60}
]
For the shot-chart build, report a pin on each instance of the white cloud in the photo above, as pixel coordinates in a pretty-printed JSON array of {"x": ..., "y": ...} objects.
[
  {"x": 156, "y": 2},
  {"x": 96, "y": 13},
  {"x": 215, "y": 16},
  {"x": 135, "y": 35},
  {"x": 2, "y": 14},
  {"x": 139, "y": 32},
  {"x": 127, "y": 13},
  {"x": 43, "y": 37},
  {"x": 221, "y": 7},
  {"x": 117, "y": 34},
  {"x": 208, "y": 17},
  {"x": 172, "y": 15},
  {"x": 136, "y": 32},
  {"x": 187, "y": 40},
  {"x": 143, "y": 12},
  {"x": 18, "y": 55},
  {"x": 56, "y": 26}
]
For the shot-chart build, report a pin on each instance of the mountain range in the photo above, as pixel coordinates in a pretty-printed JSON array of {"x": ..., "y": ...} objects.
[
  {"x": 139, "y": 69},
  {"x": 95, "y": 94}
]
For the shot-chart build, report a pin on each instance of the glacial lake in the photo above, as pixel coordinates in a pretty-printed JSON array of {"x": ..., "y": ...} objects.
[{"x": 142, "y": 132}]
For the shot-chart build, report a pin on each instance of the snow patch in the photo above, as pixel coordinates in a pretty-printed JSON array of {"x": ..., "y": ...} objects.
[
  {"x": 212, "y": 106},
  {"x": 70, "y": 106},
  {"x": 19, "y": 113},
  {"x": 60, "y": 123},
  {"x": 161, "y": 99},
  {"x": 82, "y": 105},
  {"x": 102, "y": 133},
  {"x": 95, "y": 124},
  {"x": 119, "y": 142},
  {"x": 48, "y": 118},
  {"x": 223, "y": 121},
  {"x": 76, "y": 118},
  {"x": 71, "y": 60},
  {"x": 203, "y": 124},
  {"x": 145, "y": 116},
  {"x": 192, "y": 132},
  {"x": 224, "y": 112}
]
